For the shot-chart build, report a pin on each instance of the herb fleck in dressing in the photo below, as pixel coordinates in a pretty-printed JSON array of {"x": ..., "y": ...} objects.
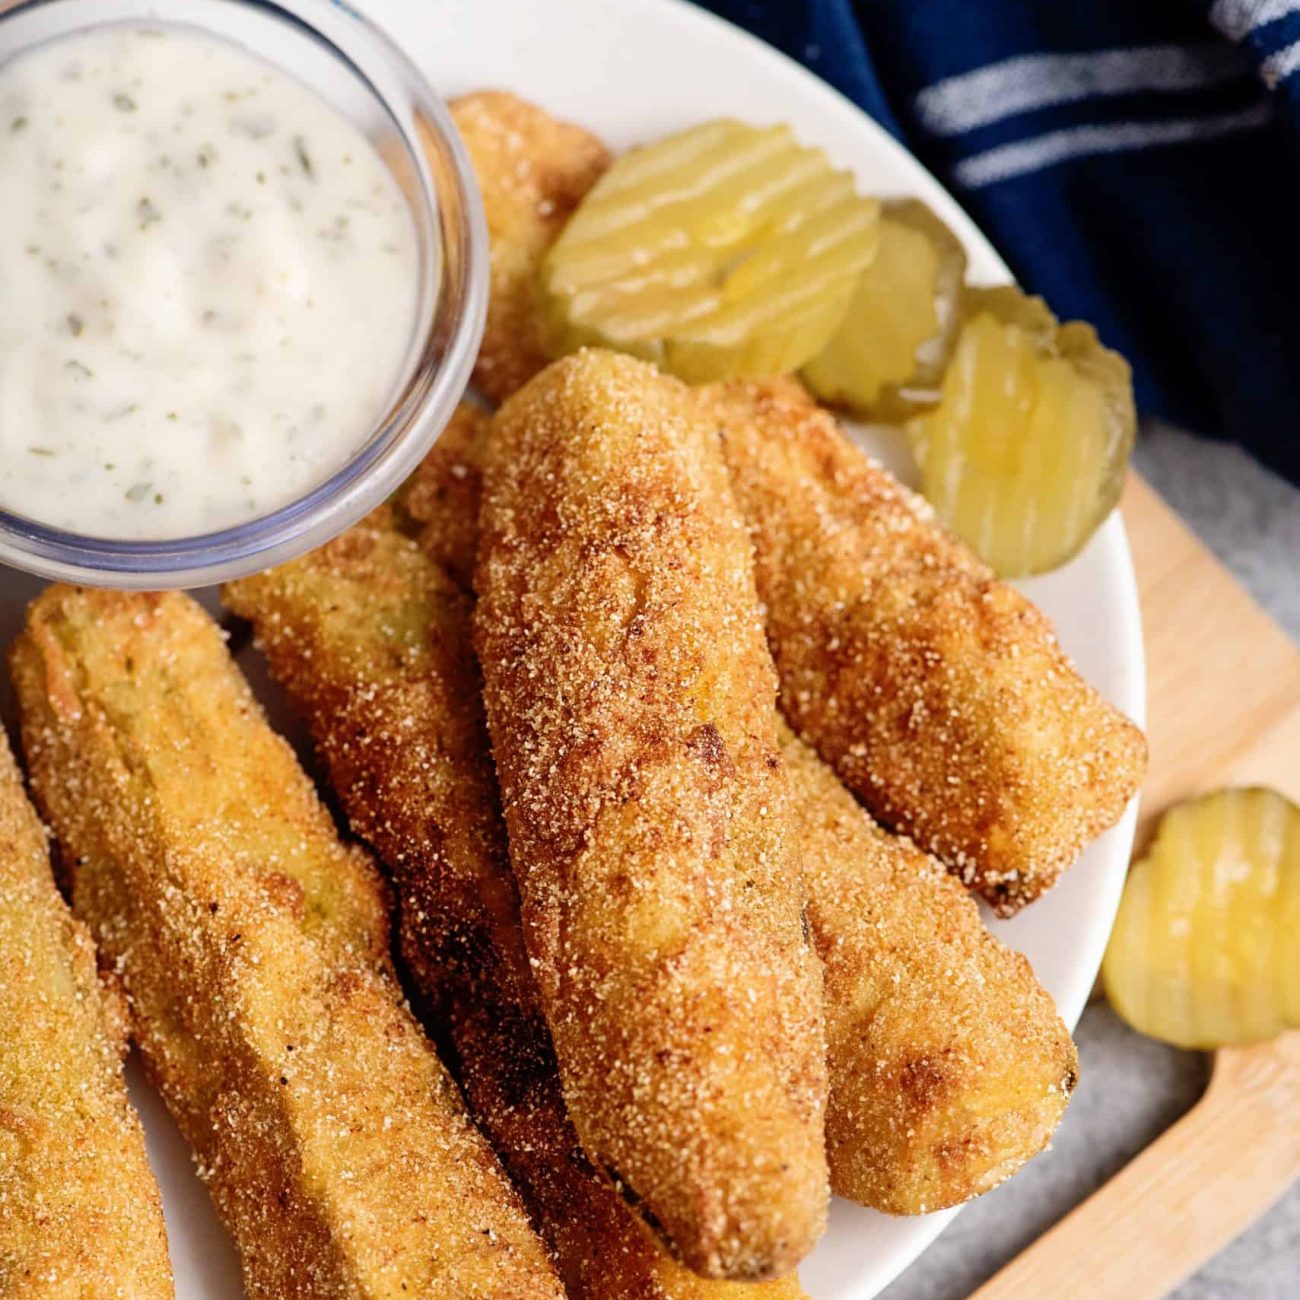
[{"x": 207, "y": 285}]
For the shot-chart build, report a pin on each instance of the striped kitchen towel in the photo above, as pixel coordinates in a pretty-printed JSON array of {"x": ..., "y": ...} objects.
[{"x": 1137, "y": 162}]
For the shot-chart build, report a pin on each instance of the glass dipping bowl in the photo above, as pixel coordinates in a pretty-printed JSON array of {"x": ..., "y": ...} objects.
[{"x": 364, "y": 76}]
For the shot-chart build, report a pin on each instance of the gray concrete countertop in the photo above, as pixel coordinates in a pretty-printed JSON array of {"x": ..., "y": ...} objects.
[{"x": 1131, "y": 1089}]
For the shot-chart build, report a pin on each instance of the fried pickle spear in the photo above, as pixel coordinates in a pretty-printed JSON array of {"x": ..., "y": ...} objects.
[
  {"x": 444, "y": 493},
  {"x": 938, "y": 693},
  {"x": 80, "y": 1214},
  {"x": 629, "y": 696},
  {"x": 949, "y": 1064},
  {"x": 532, "y": 171},
  {"x": 397, "y": 715},
  {"x": 372, "y": 641},
  {"x": 604, "y": 1250},
  {"x": 252, "y": 947}
]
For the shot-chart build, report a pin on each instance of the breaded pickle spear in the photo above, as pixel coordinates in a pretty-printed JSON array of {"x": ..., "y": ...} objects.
[
  {"x": 397, "y": 715},
  {"x": 80, "y": 1215},
  {"x": 443, "y": 494},
  {"x": 372, "y": 641},
  {"x": 253, "y": 950},
  {"x": 604, "y": 1251},
  {"x": 629, "y": 696},
  {"x": 532, "y": 171},
  {"x": 939, "y": 694},
  {"x": 949, "y": 1064}
]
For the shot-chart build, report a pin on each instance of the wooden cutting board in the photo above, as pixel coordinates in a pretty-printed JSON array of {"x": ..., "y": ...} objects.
[
  {"x": 1223, "y": 708},
  {"x": 1223, "y": 680}
]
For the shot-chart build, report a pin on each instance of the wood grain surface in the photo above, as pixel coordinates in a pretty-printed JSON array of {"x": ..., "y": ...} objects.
[
  {"x": 1223, "y": 708},
  {"x": 1223, "y": 680}
]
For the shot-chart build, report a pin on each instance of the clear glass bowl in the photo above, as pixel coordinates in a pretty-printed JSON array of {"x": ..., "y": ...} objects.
[{"x": 356, "y": 68}]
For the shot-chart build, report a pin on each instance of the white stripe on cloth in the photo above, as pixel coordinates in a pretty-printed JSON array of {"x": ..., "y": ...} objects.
[
  {"x": 1025, "y": 156},
  {"x": 1279, "y": 66},
  {"x": 1238, "y": 18},
  {"x": 1031, "y": 81}
]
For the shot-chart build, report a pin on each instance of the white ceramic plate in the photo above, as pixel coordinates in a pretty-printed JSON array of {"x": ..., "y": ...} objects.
[{"x": 630, "y": 71}]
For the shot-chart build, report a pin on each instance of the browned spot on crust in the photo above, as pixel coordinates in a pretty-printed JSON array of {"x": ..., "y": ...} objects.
[
  {"x": 922, "y": 1082},
  {"x": 706, "y": 743}
]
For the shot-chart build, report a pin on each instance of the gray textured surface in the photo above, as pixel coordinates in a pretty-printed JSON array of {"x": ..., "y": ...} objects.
[
  {"x": 1131, "y": 1088},
  {"x": 1249, "y": 517}
]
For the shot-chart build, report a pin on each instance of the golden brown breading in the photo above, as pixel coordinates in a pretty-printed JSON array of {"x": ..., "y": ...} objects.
[
  {"x": 949, "y": 1064},
  {"x": 444, "y": 492},
  {"x": 508, "y": 1069},
  {"x": 398, "y": 717},
  {"x": 80, "y": 1214},
  {"x": 372, "y": 642},
  {"x": 938, "y": 693},
  {"x": 252, "y": 947},
  {"x": 629, "y": 695},
  {"x": 532, "y": 170}
]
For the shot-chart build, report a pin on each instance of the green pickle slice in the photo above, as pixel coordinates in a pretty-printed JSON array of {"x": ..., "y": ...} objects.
[
  {"x": 1025, "y": 454},
  {"x": 888, "y": 356},
  {"x": 1206, "y": 946},
  {"x": 722, "y": 251}
]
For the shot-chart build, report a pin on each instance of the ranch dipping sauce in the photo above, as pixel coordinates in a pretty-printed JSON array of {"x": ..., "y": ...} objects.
[{"x": 208, "y": 285}]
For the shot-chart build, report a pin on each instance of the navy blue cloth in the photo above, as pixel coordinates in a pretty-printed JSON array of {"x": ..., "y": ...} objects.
[{"x": 1136, "y": 162}]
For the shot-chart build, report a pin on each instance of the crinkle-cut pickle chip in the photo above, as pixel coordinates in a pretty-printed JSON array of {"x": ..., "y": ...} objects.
[
  {"x": 1206, "y": 946},
  {"x": 1025, "y": 454},
  {"x": 722, "y": 251},
  {"x": 888, "y": 356}
]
